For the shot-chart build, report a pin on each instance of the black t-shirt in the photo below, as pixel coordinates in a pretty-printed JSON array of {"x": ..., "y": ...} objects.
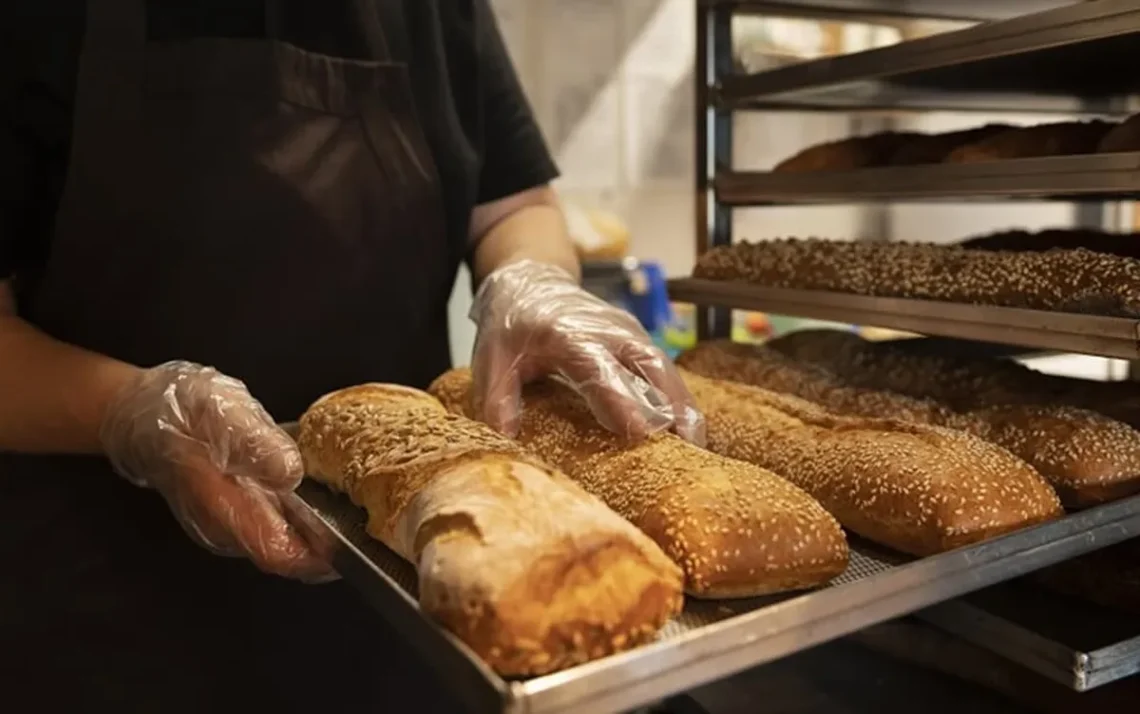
[{"x": 477, "y": 121}]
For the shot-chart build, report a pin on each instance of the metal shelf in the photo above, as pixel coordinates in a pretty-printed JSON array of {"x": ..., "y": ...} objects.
[
  {"x": 1073, "y": 50},
  {"x": 954, "y": 10},
  {"x": 882, "y": 96},
  {"x": 1070, "y": 642},
  {"x": 1088, "y": 178},
  {"x": 1088, "y": 334},
  {"x": 711, "y": 639}
]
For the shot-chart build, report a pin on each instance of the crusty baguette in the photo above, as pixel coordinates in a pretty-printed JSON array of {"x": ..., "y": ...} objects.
[
  {"x": 1061, "y": 280},
  {"x": 736, "y": 530},
  {"x": 911, "y": 487},
  {"x": 857, "y": 152},
  {"x": 934, "y": 148},
  {"x": 1087, "y": 457},
  {"x": 1056, "y": 139},
  {"x": 524, "y": 566}
]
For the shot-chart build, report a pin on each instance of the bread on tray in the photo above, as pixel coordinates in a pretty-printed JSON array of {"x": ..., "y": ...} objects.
[
  {"x": 735, "y": 529},
  {"x": 525, "y": 567},
  {"x": 1059, "y": 280},
  {"x": 1057, "y": 139},
  {"x": 1088, "y": 457},
  {"x": 857, "y": 152},
  {"x": 1125, "y": 137},
  {"x": 914, "y": 488}
]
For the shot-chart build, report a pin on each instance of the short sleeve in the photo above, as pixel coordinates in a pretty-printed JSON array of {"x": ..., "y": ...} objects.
[{"x": 515, "y": 155}]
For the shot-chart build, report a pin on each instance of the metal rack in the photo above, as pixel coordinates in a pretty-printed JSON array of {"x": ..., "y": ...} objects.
[{"x": 1069, "y": 47}]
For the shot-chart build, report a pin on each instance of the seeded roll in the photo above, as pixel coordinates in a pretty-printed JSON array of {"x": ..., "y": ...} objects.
[
  {"x": 735, "y": 529},
  {"x": 915, "y": 488}
]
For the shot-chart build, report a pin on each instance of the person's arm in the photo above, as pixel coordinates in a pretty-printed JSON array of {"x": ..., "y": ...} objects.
[
  {"x": 52, "y": 395},
  {"x": 525, "y": 226}
]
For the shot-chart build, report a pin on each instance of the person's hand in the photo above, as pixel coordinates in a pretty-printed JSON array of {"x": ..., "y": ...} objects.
[
  {"x": 535, "y": 320},
  {"x": 224, "y": 467}
]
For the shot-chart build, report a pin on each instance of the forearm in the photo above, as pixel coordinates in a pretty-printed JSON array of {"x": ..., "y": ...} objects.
[
  {"x": 527, "y": 226},
  {"x": 52, "y": 395}
]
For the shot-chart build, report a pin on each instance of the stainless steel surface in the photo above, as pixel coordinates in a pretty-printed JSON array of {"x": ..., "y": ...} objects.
[
  {"x": 1071, "y": 47},
  {"x": 1078, "y": 645},
  {"x": 952, "y": 9},
  {"x": 1088, "y": 334},
  {"x": 711, "y": 640},
  {"x": 1092, "y": 177}
]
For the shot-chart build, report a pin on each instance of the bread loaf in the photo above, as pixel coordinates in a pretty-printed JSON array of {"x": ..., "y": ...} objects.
[
  {"x": 1125, "y": 137},
  {"x": 858, "y": 152},
  {"x": 735, "y": 529},
  {"x": 530, "y": 571},
  {"x": 1124, "y": 245},
  {"x": 1058, "y": 139},
  {"x": 914, "y": 488},
  {"x": 1062, "y": 280},
  {"x": 934, "y": 148},
  {"x": 1086, "y": 456}
]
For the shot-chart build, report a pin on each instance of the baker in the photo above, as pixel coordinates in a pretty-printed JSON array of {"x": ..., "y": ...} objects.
[{"x": 209, "y": 202}]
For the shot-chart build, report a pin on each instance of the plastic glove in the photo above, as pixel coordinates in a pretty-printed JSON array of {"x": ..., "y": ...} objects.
[
  {"x": 224, "y": 467},
  {"x": 535, "y": 320}
]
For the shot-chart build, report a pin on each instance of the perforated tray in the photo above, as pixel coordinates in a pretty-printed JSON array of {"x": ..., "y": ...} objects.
[{"x": 710, "y": 640}]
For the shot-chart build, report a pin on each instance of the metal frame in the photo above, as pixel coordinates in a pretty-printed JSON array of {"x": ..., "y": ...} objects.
[
  {"x": 1074, "y": 24},
  {"x": 1089, "y": 334},
  {"x": 939, "y": 9},
  {"x": 1094, "y": 177}
]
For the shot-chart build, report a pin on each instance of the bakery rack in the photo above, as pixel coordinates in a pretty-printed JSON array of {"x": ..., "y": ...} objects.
[{"x": 1022, "y": 56}]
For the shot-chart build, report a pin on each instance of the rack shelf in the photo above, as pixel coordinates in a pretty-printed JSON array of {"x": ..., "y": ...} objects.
[
  {"x": 953, "y": 10},
  {"x": 1073, "y": 50},
  {"x": 1088, "y": 178},
  {"x": 1088, "y": 334}
]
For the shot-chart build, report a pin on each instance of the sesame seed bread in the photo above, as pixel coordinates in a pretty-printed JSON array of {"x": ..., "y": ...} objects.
[
  {"x": 1088, "y": 457},
  {"x": 915, "y": 488},
  {"x": 525, "y": 567},
  {"x": 1061, "y": 280},
  {"x": 1056, "y": 139},
  {"x": 736, "y": 530}
]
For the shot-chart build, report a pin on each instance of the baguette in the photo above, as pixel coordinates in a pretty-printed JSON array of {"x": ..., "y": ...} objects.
[
  {"x": 1061, "y": 280},
  {"x": 857, "y": 152},
  {"x": 525, "y": 567},
  {"x": 1088, "y": 457},
  {"x": 735, "y": 530},
  {"x": 911, "y": 487},
  {"x": 934, "y": 148}
]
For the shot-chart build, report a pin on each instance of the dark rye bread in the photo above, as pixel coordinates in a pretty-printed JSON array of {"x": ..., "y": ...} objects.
[
  {"x": 735, "y": 529},
  {"x": 1085, "y": 456},
  {"x": 1059, "y": 139},
  {"x": 911, "y": 487},
  {"x": 1059, "y": 280}
]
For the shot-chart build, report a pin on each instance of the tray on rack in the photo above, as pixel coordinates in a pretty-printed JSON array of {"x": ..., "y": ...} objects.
[
  {"x": 957, "y": 10},
  {"x": 710, "y": 639},
  {"x": 1070, "y": 50},
  {"x": 1090, "y": 177},
  {"x": 1089, "y": 334},
  {"x": 1079, "y": 645}
]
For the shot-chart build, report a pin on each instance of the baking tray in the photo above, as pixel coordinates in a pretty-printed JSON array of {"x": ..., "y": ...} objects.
[
  {"x": 1079, "y": 645},
  {"x": 1086, "y": 178},
  {"x": 710, "y": 640},
  {"x": 1089, "y": 334},
  {"x": 1070, "y": 50}
]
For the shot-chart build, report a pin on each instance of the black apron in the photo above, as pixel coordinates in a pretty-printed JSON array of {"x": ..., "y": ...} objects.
[{"x": 271, "y": 212}]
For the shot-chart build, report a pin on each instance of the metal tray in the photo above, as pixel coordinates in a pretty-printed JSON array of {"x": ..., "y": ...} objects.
[
  {"x": 1076, "y": 644},
  {"x": 710, "y": 640},
  {"x": 1069, "y": 50},
  {"x": 1091, "y": 177},
  {"x": 955, "y": 10},
  {"x": 1089, "y": 334}
]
